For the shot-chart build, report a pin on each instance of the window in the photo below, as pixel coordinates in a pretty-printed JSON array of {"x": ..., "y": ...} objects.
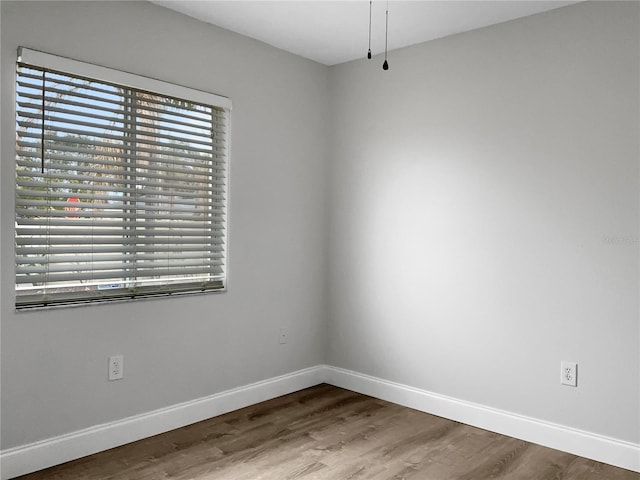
[{"x": 120, "y": 185}]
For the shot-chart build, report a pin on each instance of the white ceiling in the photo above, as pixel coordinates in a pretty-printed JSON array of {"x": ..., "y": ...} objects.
[{"x": 332, "y": 32}]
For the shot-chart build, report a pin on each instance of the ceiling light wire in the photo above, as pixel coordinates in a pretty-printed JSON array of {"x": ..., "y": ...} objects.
[
  {"x": 369, "y": 52},
  {"x": 385, "y": 65}
]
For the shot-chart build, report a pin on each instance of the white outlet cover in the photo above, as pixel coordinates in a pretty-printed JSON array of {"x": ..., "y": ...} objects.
[
  {"x": 116, "y": 367},
  {"x": 569, "y": 373}
]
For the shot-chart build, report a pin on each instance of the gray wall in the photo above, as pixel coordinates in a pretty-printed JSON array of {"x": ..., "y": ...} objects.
[
  {"x": 54, "y": 362},
  {"x": 469, "y": 219},
  {"x": 485, "y": 217}
]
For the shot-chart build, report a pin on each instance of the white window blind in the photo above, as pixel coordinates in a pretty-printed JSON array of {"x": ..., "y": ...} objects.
[{"x": 120, "y": 191}]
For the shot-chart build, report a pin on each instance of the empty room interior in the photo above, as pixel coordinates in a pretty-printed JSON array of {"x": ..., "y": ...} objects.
[{"x": 453, "y": 239}]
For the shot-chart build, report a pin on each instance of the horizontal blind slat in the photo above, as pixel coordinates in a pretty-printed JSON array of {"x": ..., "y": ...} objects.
[
  {"x": 56, "y": 277},
  {"x": 218, "y": 122},
  {"x": 114, "y": 248},
  {"x": 218, "y": 149},
  {"x": 122, "y": 176},
  {"x": 77, "y": 222},
  {"x": 106, "y": 215},
  {"x": 205, "y": 139},
  {"x": 112, "y": 257},
  {"x": 91, "y": 266}
]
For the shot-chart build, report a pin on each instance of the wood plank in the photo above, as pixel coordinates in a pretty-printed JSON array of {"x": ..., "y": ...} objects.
[{"x": 328, "y": 433}]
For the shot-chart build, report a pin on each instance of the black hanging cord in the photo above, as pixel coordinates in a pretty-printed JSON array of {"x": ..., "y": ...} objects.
[
  {"x": 369, "y": 52},
  {"x": 385, "y": 65},
  {"x": 44, "y": 73}
]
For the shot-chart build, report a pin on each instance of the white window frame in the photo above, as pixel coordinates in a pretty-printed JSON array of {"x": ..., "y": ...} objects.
[{"x": 64, "y": 65}]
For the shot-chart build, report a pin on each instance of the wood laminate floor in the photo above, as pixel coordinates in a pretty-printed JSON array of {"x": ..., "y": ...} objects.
[{"x": 327, "y": 433}]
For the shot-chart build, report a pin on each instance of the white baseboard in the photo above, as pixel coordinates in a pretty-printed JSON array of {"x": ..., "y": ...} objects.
[
  {"x": 53, "y": 451},
  {"x": 585, "y": 444},
  {"x": 36, "y": 456}
]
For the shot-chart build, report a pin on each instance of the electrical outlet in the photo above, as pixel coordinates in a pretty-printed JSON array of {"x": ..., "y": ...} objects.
[
  {"x": 569, "y": 373},
  {"x": 283, "y": 335},
  {"x": 116, "y": 367}
]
